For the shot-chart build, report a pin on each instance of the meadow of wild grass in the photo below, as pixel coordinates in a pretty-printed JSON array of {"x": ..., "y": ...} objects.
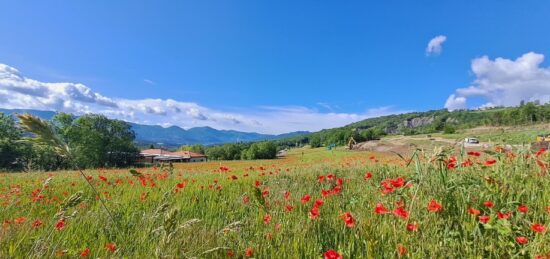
[{"x": 311, "y": 204}]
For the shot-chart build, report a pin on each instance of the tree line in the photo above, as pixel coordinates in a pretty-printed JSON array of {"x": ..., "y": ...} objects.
[
  {"x": 95, "y": 140},
  {"x": 236, "y": 151}
]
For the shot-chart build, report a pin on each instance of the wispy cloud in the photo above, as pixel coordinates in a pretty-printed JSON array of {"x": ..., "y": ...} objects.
[
  {"x": 505, "y": 82},
  {"x": 18, "y": 91},
  {"x": 435, "y": 46},
  {"x": 149, "y": 82}
]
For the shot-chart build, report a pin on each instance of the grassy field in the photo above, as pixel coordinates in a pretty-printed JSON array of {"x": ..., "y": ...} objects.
[{"x": 360, "y": 205}]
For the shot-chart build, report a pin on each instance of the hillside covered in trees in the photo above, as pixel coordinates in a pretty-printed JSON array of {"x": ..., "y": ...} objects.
[{"x": 424, "y": 123}]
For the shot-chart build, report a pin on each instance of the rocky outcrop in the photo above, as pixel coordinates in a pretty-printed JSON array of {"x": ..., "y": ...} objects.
[{"x": 418, "y": 122}]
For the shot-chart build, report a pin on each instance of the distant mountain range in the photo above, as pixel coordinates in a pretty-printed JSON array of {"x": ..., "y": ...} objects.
[{"x": 175, "y": 136}]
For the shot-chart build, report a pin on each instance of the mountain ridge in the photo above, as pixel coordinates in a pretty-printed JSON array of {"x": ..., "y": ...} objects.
[{"x": 175, "y": 136}]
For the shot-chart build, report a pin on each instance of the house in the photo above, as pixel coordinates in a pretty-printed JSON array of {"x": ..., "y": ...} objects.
[{"x": 161, "y": 155}]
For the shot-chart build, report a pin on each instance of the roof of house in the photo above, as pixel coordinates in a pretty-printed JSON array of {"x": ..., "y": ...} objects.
[{"x": 162, "y": 152}]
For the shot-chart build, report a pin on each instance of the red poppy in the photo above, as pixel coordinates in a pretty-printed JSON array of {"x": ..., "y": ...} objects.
[
  {"x": 348, "y": 219},
  {"x": 331, "y": 254},
  {"x": 412, "y": 227},
  {"x": 234, "y": 177},
  {"x": 522, "y": 240},
  {"x": 60, "y": 224},
  {"x": 289, "y": 208},
  {"x": 37, "y": 223},
  {"x": 502, "y": 215},
  {"x": 380, "y": 209},
  {"x": 541, "y": 151},
  {"x": 305, "y": 198},
  {"x": 434, "y": 206},
  {"x": 523, "y": 208},
  {"x": 181, "y": 185},
  {"x": 110, "y": 246},
  {"x": 401, "y": 212},
  {"x": 473, "y": 211},
  {"x": 539, "y": 228},
  {"x": 314, "y": 212},
  {"x": 319, "y": 203},
  {"x": 246, "y": 199},
  {"x": 20, "y": 220},
  {"x": 267, "y": 219},
  {"x": 401, "y": 250},
  {"x": 451, "y": 165},
  {"x": 321, "y": 178},
  {"x": 488, "y": 204},
  {"x": 484, "y": 219},
  {"x": 330, "y": 177},
  {"x": 249, "y": 252},
  {"x": 474, "y": 153},
  {"x": 230, "y": 253},
  {"x": 398, "y": 182},
  {"x": 258, "y": 183},
  {"x": 85, "y": 252},
  {"x": 339, "y": 182},
  {"x": 367, "y": 176},
  {"x": 490, "y": 162},
  {"x": 287, "y": 195}
]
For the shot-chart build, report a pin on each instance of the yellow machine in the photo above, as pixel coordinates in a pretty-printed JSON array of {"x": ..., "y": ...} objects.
[
  {"x": 541, "y": 142},
  {"x": 543, "y": 138},
  {"x": 351, "y": 143}
]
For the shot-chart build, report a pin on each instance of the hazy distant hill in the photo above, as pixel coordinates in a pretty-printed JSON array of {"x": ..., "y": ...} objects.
[{"x": 175, "y": 136}]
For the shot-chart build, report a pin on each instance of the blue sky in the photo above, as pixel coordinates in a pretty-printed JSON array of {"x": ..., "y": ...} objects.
[{"x": 269, "y": 66}]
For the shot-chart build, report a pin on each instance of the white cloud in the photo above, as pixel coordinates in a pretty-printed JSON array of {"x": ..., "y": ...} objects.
[
  {"x": 435, "y": 45},
  {"x": 19, "y": 92},
  {"x": 150, "y": 82},
  {"x": 505, "y": 82}
]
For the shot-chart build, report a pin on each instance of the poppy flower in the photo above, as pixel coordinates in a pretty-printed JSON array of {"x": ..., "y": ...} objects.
[
  {"x": 348, "y": 219},
  {"x": 398, "y": 182},
  {"x": 401, "y": 250},
  {"x": 434, "y": 206},
  {"x": 20, "y": 220},
  {"x": 473, "y": 211},
  {"x": 230, "y": 253},
  {"x": 523, "y": 208},
  {"x": 267, "y": 219},
  {"x": 321, "y": 178},
  {"x": 380, "y": 209},
  {"x": 257, "y": 183},
  {"x": 539, "y": 228},
  {"x": 339, "y": 181},
  {"x": 474, "y": 153},
  {"x": 37, "y": 223},
  {"x": 522, "y": 240},
  {"x": 181, "y": 185},
  {"x": 85, "y": 252},
  {"x": 110, "y": 246},
  {"x": 319, "y": 203},
  {"x": 412, "y": 227},
  {"x": 490, "y": 162},
  {"x": 488, "y": 204},
  {"x": 246, "y": 199},
  {"x": 60, "y": 224},
  {"x": 331, "y": 254},
  {"x": 330, "y": 177},
  {"x": 502, "y": 215},
  {"x": 305, "y": 198},
  {"x": 287, "y": 195},
  {"x": 289, "y": 208},
  {"x": 314, "y": 212},
  {"x": 367, "y": 176},
  {"x": 484, "y": 219},
  {"x": 249, "y": 252},
  {"x": 400, "y": 212}
]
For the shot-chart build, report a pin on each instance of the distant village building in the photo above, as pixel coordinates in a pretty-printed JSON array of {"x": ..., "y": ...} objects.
[
  {"x": 471, "y": 140},
  {"x": 161, "y": 155}
]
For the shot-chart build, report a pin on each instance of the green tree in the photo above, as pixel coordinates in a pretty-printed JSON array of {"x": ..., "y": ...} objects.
[{"x": 10, "y": 148}]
